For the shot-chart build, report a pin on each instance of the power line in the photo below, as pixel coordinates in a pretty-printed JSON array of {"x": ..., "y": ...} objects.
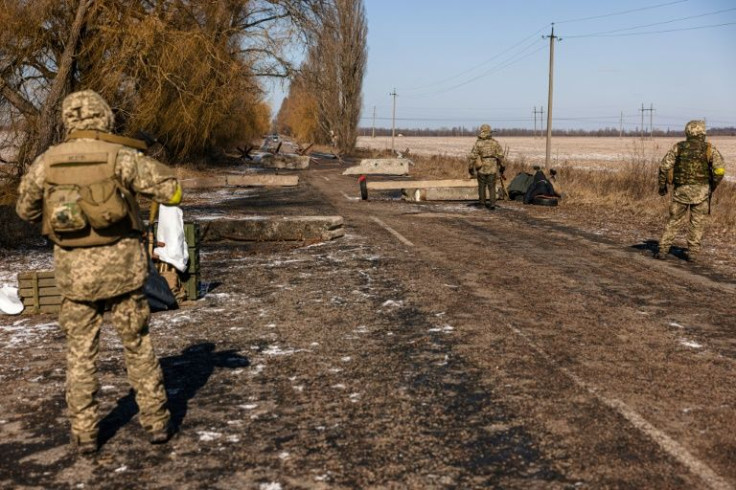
[
  {"x": 623, "y": 12},
  {"x": 477, "y": 66},
  {"x": 658, "y": 32},
  {"x": 602, "y": 33},
  {"x": 496, "y": 68}
]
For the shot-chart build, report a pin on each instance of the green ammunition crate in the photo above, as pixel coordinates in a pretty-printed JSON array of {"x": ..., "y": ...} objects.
[
  {"x": 191, "y": 276},
  {"x": 38, "y": 292}
]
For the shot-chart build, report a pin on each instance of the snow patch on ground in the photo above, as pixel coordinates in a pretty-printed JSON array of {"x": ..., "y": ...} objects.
[
  {"x": 20, "y": 333},
  {"x": 208, "y": 436},
  {"x": 691, "y": 344}
]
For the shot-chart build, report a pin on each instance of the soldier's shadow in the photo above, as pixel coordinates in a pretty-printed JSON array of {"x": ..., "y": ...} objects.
[
  {"x": 653, "y": 245},
  {"x": 184, "y": 375}
]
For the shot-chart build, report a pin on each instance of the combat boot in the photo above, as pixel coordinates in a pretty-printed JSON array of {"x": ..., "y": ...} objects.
[
  {"x": 161, "y": 436},
  {"x": 691, "y": 257},
  {"x": 85, "y": 446}
]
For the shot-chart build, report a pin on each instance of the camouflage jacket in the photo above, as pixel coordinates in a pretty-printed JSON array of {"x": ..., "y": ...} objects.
[
  {"x": 485, "y": 156},
  {"x": 691, "y": 192},
  {"x": 106, "y": 271}
]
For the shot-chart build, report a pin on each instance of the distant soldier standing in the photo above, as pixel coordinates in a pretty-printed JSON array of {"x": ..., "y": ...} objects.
[
  {"x": 484, "y": 161},
  {"x": 82, "y": 191},
  {"x": 695, "y": 167}
]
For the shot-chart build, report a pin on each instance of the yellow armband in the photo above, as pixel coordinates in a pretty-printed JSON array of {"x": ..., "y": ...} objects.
[
  {"x": 176, "y": 198},
  {"x": 720, "y": 171}
]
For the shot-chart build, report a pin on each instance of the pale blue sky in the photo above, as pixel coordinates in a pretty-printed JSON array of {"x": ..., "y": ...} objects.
[{"x": 466, "y": 62}]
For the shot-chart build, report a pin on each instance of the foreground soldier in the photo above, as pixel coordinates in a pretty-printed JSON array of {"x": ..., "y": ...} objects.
[
  {"x": 484, "y": 161},
  {"x": 83, "y": 192},
  {"x": 695, "y": 167}
]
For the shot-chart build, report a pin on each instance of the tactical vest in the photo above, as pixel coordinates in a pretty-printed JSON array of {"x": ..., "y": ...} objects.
[
  {"x": 84, "y": 203},
  {"x": 691, "y": 166}
]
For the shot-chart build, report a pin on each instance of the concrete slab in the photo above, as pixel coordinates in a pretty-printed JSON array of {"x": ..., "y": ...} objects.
[
  {"x": 385, "y": 166},
  {"x": 441, "y": 194},
  {"x": 242, "y": 181},
  {"x": 270, "y": 228},
  {"x": 284, "y": 161},
  {"x": 420, "y": 184}
]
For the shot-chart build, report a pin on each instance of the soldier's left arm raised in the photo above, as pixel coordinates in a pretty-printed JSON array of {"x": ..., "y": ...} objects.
[{"x": 149, "y": 177}]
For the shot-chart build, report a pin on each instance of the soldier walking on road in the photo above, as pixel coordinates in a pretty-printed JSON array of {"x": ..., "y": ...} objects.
[
  {"x": 484, "y": 162},
  {"x": 83, "y": 191},
  {"x": 695, "y": 168}
]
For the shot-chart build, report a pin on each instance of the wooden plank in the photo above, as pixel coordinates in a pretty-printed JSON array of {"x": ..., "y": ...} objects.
[
  {"x": 42, "y": 283},
  {"x": 39, "y": 274},
  {"x": 420, "y": 184},
  {"x": 48, "y": 309},
  {"x": 42, "y": 301},
  {"x": 45, "y": 291}
]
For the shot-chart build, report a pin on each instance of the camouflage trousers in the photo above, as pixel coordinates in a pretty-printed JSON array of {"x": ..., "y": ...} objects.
[
  {"x": 695, "y": 228},
  {"x": 81, "y": 323},
  {"x": 487, "y": 181}
]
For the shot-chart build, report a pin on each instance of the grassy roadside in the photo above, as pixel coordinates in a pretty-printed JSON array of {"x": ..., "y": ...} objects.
[{"x": 631, "y": 190}]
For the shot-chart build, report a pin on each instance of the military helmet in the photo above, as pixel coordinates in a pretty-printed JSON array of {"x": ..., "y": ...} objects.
[
  {"x": 86, "y": 110},
  {"x": 695, "y": 128},
  {"x": 485, "y": 131}
]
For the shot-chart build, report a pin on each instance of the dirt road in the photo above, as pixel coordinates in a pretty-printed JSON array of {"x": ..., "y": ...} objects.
[{"x": 434, "y": 346}]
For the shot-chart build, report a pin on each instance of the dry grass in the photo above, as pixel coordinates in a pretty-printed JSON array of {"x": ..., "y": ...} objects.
[{"x": 598, "y": 173}]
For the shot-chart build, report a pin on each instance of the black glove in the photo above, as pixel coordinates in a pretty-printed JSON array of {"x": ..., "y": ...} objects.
[
  {"x": 663, "y": 190},
  {"x": 471, "y": 172}
]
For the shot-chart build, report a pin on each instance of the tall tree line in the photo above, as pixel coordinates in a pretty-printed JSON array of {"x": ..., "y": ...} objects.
[
  {"x": 325, "y": 95},
  {"x": 189, "y": 71}
]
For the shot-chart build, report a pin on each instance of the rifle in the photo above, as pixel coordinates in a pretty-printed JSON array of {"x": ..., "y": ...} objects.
[
  {"x": 502, "y": 177},
  {"x": 711, "y": 180}
]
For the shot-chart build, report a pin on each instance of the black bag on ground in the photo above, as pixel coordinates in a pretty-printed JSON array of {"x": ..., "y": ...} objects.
[
  {"x": 519, "y": 185},
  {"x": 157, "y": 291},
  {"x": 540, "y": 186}
]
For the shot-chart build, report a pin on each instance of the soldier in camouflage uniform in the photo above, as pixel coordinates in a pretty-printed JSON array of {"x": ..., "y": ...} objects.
[
  {"x": 484, "y": 161},
  {"x": 82, "y": 191},
  {"x": 695, "y": 167}
]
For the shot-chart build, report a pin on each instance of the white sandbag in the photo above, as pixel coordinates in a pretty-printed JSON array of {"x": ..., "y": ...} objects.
[
  {"x": 10, "y": 304},
  {"x": 171, "y": 232}
]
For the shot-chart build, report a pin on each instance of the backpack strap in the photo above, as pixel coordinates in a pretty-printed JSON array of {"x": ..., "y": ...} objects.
[{"x": 110, "y": 138}]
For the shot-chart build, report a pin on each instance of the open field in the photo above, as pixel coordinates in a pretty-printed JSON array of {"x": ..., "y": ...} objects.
[{"x": 566, "y": 151}]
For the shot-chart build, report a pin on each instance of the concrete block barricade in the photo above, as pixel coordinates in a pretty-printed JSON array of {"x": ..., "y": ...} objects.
[
  {"x": 283, "y": 161},
  {"x": 381, "y": 166},
  {"x": 265, "y": 228},
  {"x": 268, "y": 180},
  {"x": 441, "y": 194},
  {"x": 429, "y": 190}
]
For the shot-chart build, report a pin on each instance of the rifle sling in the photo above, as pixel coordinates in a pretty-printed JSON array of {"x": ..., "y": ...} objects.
[{"x": 110, "y": 138}]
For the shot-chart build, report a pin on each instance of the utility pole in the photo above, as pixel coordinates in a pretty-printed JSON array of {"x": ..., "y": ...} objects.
[
  {"x": 552, "y": 39},
  {"x": 621, "y": 126},
  {"x": 651, "y": 121},
  {"x": 373, "y": 133},
  {"x": 643, "y": 110},
  {"x": 393, "y": 120},
  {"x": 541, "y": 121}
]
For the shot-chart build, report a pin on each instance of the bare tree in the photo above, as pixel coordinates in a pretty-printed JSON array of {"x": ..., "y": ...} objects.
[
  {"x": 190, "y": 70},
  {"x": 335, "y": 69}
]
